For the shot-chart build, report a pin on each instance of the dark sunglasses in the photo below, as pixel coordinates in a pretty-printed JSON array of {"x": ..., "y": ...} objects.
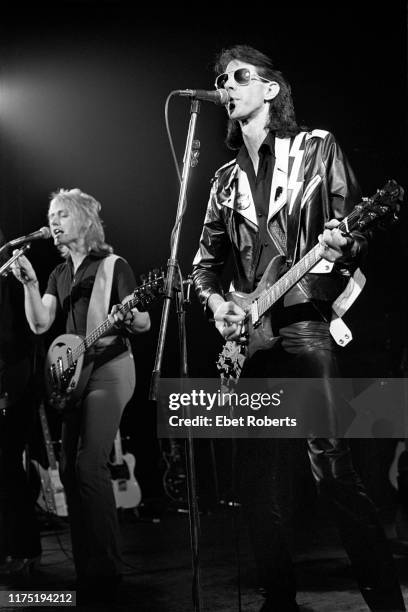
[{"x": 242, "y": 76}]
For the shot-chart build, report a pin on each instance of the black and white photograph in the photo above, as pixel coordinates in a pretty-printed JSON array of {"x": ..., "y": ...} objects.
[{"x": 220, "y": 192}]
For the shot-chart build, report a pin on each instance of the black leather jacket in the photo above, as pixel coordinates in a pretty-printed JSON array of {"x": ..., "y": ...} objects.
[{"x": 312, "y": 179}]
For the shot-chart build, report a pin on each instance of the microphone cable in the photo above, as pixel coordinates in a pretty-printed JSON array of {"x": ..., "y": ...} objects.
[{"x": 173, "y": 93}]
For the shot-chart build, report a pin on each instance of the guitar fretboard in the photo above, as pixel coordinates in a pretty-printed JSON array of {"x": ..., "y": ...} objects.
[
  {"x": 104, "y": 327},
  {"x": 118, "y": 458},
  {"x": 47, "y": 439}
]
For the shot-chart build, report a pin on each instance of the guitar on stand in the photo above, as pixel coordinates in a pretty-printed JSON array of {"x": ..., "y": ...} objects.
[
  {"x": 174, "y": 476},
  {"x": 4, "y": 403},
  {"x": 52, "y": 496},
  {"x": 126, "y": 489}
]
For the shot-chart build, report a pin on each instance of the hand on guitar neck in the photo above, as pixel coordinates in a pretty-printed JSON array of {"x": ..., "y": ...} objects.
[{"x": 334, "y": 243}]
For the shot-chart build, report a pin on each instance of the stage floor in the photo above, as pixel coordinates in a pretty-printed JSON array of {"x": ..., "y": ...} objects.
[{"x": 158, "y": 566}]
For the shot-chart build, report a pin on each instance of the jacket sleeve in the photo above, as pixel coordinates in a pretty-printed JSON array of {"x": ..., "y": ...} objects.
[
  {"x": 343, "y": 194},
  {"x": 212, "y": 252}
]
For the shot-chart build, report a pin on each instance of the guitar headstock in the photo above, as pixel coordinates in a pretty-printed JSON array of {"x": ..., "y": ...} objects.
[
  {"x": 151, "y": 288},
  {"x": 384, "y": 204}
]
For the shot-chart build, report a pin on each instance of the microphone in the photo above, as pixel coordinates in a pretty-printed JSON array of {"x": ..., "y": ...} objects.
[
  {"x": 44, "y": 232},
  {"x": 218, "y": 96}
]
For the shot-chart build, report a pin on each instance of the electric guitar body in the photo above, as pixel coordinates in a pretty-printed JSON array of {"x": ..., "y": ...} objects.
[
  {"x": 126, "y": 489},
  {"x": 260, "y": 336},
  {"x": 52, "y": 496},
  {"x": 59, "y": 357}
]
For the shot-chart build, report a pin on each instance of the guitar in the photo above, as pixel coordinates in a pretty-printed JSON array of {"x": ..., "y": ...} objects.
[
  {"x": 4, "y": 403},
  {"x": 273, "y": 285},
  {"x": 65, "y": 373},
  {"x": 122, "y": 468},
  {"x": 52, "y": 499},
  {"x": 174, "y": 477}
]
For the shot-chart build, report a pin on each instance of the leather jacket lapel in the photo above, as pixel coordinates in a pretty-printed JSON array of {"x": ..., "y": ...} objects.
[
  {"x": 295, "y": 193},
  {"x": 239, "y": 195}
]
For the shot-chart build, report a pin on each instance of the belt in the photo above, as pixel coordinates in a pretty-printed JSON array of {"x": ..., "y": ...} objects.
[
  {"x": 112, "y": 341},
  {"x": 306, "y": 311}
]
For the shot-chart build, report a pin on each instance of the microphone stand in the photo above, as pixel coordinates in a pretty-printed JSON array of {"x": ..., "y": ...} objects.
[
  {"x": 5, "y": 268},
  {"x": 189, "y": 160}
]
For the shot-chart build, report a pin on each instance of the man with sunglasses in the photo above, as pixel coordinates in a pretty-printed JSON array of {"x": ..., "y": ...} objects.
[{"x": 285, "y": 191}]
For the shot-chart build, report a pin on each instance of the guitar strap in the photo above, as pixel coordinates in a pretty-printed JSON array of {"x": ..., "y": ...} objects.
[
  {"x": 338, "y": 329},
  {"x": 100, "y": 298}
]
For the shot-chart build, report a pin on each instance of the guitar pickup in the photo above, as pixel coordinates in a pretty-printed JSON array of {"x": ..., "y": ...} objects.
[
  {"x": 255, "y": 314},
  {"x": 53, "y": 375},
  {"x": 69, "y": 358}
]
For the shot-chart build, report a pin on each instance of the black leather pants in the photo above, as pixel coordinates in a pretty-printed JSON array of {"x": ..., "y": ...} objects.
[{"x": 307, "y": 351}]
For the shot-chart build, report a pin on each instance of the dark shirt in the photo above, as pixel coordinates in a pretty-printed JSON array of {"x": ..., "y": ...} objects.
[
  {"x": 73, "y": 291},
  {"x": 260, "y": 185}
]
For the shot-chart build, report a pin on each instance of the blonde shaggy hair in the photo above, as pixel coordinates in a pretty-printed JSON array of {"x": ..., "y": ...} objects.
[{"x": 87, "y": 208}]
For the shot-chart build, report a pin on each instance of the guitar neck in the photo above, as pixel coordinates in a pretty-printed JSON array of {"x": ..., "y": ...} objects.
[
  {"x": 47, "y": 439},
  {"x": 99, "y": 331},
  {"x": 118, "y": 459},
  {"x": 269, "y": 297}
]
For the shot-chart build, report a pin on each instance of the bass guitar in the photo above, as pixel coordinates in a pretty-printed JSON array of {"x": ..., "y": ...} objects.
[
  {"x": 273, "y": 285},
  {"x": 65, "y": 373},
  {"x": 126, "y": 489}
]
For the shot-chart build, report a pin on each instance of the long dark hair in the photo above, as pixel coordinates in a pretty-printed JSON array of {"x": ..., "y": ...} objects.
[{"x": 282, "y": 119}]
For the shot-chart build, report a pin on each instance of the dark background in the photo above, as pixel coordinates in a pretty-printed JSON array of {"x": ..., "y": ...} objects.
[{"x": 82, "y": 93}]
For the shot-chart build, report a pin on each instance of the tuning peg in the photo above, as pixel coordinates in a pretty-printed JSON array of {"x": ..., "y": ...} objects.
[{"x": 143, "y": 278}]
